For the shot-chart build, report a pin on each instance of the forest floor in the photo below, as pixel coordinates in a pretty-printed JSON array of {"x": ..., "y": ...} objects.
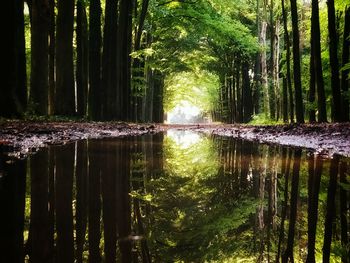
[{"x": 19, "y": 138}]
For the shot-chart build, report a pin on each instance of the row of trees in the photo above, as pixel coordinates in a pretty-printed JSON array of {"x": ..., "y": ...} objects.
[
  {"x": 122, "y": 55},
  {"x": 282, "y": 84},
  {"x": 85, "y": 74}
]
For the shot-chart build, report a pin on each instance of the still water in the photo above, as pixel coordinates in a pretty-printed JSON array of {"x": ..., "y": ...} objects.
[{"x": 175, "y": 197}]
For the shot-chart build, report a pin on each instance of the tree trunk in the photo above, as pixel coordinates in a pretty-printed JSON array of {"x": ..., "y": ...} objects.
[
  {"x": 13, "y": 89},
  {"x": 52, "y": 55},
  {"x": 110, "y": 72},
  {"x": 317, "y": 62},
  {"x": 345, "y": 60},
  {"x": 312, "y": 90},
  {"x": 272, "y": 88},
  {"x": 334, "y": 63},
  {"x": 288, "y": 75},
  {"x": 299, "y": 108},
  {"x": 39, "y": 56},
  {"x": 82, "y": 69},
  {"x": 264, "y": 80},
  {"x": 94, "y": 106},
  {"x": 247, "y": 99},
  {"x": 65, "y": 94}
]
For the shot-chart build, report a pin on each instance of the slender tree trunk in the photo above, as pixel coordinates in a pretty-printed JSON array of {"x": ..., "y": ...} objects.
[
  {"x": 312, "y": 90},
  {"x": 276, "y": 70},
  {"x": 13, "y": 89},
  {"x": 317, "y": 62},
  {"x": 288, "y": 75},
  {"x": 82, "y": 69},
  {"x": 264, "y": 80},
  {"x": 334, "y": 63},
  {"x": 39, "y": 56},
  {"x": 94, "y": 104},
  {"x": 52, "y": 54},
  {"x": 345, "y": 60},
  {"x": 65, "y": 91},
  {"x": 299, "y": 107},
  {"x": 247, "y": 99},
  {"x": 110, "y": 72},
  {"x": 272, "y": 96}
]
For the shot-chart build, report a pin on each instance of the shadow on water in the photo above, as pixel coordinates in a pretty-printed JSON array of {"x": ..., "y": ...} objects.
[{"x": 176, "y": 197}]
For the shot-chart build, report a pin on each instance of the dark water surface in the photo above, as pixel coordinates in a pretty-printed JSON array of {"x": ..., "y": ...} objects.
[{"x": 176, "y": 197}]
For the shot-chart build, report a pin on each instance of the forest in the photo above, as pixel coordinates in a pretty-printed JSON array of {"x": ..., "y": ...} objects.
[{"x": 238, "y": 61}]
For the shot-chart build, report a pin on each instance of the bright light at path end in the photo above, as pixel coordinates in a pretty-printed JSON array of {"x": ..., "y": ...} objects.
[{"x": 185, "y": 112}]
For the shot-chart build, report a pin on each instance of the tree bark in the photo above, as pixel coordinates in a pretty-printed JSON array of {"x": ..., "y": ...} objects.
[
  {"x": 334, "y": 63},
  {"x": 317, "y": 62},
  {"x": 65, "y": 94},
  {"x": 299, "y": 107},
  {"x": 345, "y": 60},
  {"x": 288, "y": 75},
  {"x": 82, "y": 69},
  {"x": 94, "y": 95}
]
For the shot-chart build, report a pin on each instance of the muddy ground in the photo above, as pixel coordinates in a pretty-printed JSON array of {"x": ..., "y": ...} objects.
[{"x": 19, "y": 138}]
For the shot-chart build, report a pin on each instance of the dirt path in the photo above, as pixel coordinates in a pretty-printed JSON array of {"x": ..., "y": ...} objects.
[{"x": 18, "y": 138}]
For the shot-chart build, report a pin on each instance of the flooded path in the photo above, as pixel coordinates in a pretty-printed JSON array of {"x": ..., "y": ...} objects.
[{"x": 174, "y": 197}]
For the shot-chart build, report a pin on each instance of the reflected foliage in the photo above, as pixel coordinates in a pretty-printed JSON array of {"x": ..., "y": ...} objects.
[{"x": 181, "y": 197}]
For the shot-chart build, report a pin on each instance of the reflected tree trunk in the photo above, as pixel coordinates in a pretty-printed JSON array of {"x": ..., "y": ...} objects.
[
  {"x": 288, "y": 254},
  {"x": 330, "y": 211},
  {"x": 313, "y": 192},
  {"x": 123, "y": 200},
  {"x": 94, "y": 201},
  {"x": 344, "y": 211},
  {"x": 285, "y": 172},
  {"x": 12, "y": 203},
  {"x": 109, "y": 173},
  {"x": 81, "y": 199},
  {"x": 64, "y": 213},
  {"x": 39, "y": 214}
]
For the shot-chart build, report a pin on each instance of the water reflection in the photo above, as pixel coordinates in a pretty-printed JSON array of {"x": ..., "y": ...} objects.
[{"x": 171, "y": 199}]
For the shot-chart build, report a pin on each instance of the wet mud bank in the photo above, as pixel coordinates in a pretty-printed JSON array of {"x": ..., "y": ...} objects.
[
  {"x": 326, "y": 139},
  {"x": 20, "y": 138}
]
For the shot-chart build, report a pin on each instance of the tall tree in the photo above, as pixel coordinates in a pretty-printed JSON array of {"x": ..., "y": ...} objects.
[
  {"x": 13, "y": 90},
  {"x": 40, "y": 56},
  {"x": 345, "y": 60},
  {"x": 334, "y": 63},
  {"x": 110, "y": 73},
  {"x": 52, "y": 55},
  {"x": 95, "y": 60},
  {"x": 299, "y": 108},
  {"x": 82, "y": 59},
  {"x": 65, "y": 94},
  {"x": 317, "y": 62},
  {"x": 288, "y": 73}
]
